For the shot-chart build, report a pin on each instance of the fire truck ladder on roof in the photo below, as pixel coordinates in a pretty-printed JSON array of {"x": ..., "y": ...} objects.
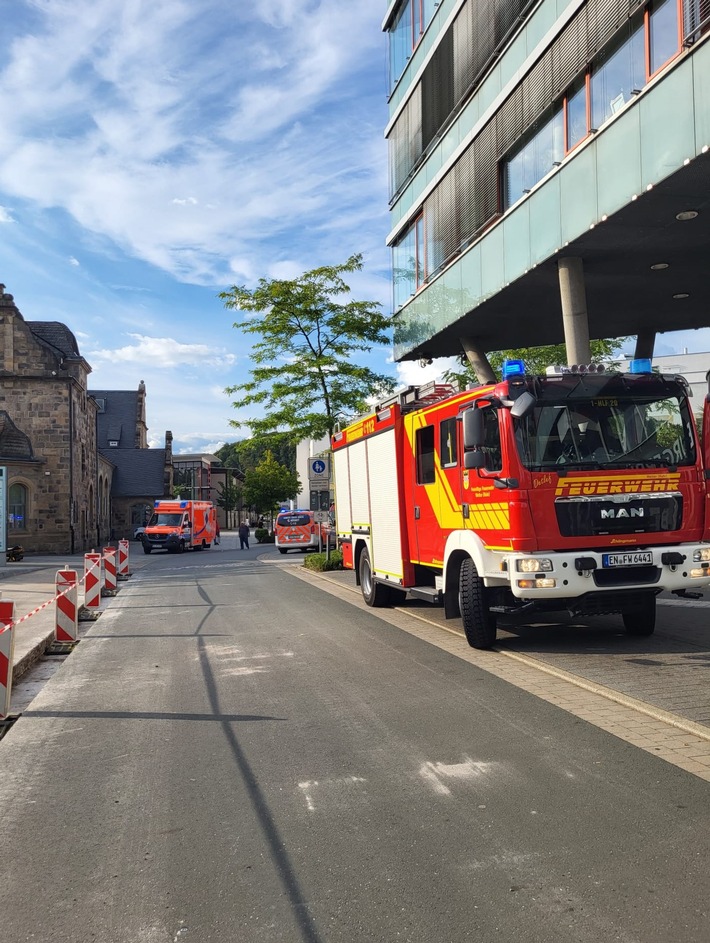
[{"x": 415, "y": 397}]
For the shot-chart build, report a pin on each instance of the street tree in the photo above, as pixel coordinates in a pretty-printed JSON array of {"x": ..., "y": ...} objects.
[
  {"x": 247, "y": 453},
  {"x": 536, "y": 359},
  {"x": 305, "y": 372},
  {"x": 269, "y": 484}
]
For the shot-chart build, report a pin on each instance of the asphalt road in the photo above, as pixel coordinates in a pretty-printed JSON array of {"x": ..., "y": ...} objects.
[{"x": 232, "y": 755}]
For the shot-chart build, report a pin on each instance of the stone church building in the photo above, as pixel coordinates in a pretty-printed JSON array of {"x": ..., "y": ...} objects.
[{"x": 78, "y": 470}]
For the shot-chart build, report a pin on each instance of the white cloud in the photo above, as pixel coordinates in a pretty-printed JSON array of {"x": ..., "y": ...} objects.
[
  {"x": 125, "y": 114},
  {"x": 5, "y": 216},
  {"x": 73, "y": 261},
  {"x": 164, "y": 353}
]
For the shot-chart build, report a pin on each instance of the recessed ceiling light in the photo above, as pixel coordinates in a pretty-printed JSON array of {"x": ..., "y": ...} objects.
[
  {"x": 686, "y": 215},
  {"x": 682, "y": 294},
  {"x": 657, "y": 266}
]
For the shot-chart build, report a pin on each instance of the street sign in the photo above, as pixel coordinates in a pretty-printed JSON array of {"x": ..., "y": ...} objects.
[
  {"x": 319, "y": 484},
  {"x": 320, "y": 499},
  {"x": 321, "y": 517},
  {"x": 319, "y": 468}
]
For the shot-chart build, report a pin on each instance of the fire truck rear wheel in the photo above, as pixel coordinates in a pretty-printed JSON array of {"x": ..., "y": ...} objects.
[
  {"x": 641, "y": 622},
  {"x": 375, "y": 594},
  {"x": 479, "y": 624}
]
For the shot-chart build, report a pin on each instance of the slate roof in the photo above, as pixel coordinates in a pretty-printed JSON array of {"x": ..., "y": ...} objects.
[
  {"x": 138, "y": 472},
  {"x": 57, "y": 336},
  {"x": 117, "y": 422}
]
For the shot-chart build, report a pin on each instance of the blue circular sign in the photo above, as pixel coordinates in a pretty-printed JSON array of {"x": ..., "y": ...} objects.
[{"x": 318, "y": 466}]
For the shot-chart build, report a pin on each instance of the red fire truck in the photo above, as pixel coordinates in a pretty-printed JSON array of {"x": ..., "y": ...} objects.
[{"x": 581, "y": 491}]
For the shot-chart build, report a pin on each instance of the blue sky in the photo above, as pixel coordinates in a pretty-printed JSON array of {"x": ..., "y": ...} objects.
[{"x": 155, "y": 152}]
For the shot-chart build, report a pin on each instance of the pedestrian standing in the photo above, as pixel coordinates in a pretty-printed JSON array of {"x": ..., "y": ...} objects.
[{"x": 244, "y": 536}]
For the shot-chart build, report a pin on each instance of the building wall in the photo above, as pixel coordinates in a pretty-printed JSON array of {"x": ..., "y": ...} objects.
[
  {"x": 456, "y": 239},
  {"x": 44, "y": 394}
]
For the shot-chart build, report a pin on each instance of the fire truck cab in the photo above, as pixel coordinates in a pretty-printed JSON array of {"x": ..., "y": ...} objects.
[{"x": 581, "y": 491}]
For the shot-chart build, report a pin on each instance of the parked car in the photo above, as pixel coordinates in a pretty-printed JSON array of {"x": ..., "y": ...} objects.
[{"x": 138, "y": 533}]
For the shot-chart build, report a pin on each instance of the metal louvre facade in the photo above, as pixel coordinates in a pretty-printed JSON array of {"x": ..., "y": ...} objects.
[
  {"x": 458, "y": 64},
  {"x": 468, "y": 198}
]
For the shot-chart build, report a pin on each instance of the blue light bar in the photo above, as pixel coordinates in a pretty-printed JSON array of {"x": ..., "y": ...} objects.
[
  {"x": 513, "y": 368},
  {"x": 640, "y": 366}
]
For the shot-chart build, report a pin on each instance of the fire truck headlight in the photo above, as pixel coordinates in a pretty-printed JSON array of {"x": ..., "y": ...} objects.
[
  {"x": 533, "y": 565},
  {"x": 539, "y": 583},
  {"x": 701, "y": 555}
]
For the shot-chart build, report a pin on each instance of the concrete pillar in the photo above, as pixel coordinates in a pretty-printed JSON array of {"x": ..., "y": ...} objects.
[
  {"x": 645, "y": 342},
  {"x": 574, "y": 310},
  {"x": 478, "y": 360}
]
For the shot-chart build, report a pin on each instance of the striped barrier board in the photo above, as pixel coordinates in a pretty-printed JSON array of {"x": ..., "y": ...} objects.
[
  {"x": 7, "y": 652},
  {"x": 123, "y": 546},
  {"x": 110, "y": 568},
  {"x": 66, "y": 628},
  {"x": 92, "y": 580}
]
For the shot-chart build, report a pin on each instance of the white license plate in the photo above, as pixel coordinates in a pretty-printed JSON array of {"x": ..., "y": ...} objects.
[{"x": 632, "y": 558}]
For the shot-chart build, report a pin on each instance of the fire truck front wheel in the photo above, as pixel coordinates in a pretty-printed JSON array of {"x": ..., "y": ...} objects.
[
  {"x": 641, "y": 621},
  {"x": 374, "y": 593},
  {"x": 479, "y": 623}
]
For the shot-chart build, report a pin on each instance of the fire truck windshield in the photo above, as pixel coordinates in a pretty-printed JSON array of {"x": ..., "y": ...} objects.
[{"x": 621, "y": 431}]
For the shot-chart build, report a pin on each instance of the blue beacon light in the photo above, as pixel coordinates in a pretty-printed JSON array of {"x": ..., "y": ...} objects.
[
  {"x": 640, "y": 366},
  {"x": 513, "y": 368}
]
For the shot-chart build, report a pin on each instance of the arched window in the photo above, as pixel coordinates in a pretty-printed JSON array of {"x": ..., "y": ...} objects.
[{"x": 17, "y": 508}]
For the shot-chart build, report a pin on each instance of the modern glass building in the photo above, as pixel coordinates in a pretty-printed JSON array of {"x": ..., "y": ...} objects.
[{"x": 547, "y": 160}]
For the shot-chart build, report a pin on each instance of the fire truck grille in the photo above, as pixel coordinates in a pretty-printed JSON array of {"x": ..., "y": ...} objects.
[
  {"x": 622, "y": 575},
  {"x": 592, "y": 517}
]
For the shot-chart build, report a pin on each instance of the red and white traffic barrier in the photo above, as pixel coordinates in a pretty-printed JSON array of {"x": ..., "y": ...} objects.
[
  {"x": 7, "y": 652},
  {"x": 110, "y": 568},
  {"x": 66, "y": 628},
  {"x": 123, "y": 546},
  {"x": 92, "y": 580}
]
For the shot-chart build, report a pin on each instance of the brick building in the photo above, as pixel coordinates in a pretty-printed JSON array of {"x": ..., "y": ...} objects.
[{"x": 59, "y": 484}]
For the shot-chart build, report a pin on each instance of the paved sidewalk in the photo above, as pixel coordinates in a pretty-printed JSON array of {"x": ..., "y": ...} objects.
[{"x": 30, "y": 585}]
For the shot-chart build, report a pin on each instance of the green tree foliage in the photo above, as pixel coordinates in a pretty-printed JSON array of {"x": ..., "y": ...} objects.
[
  {"x": 268, "y": 484},
  {"x": 247, "y": 453},
  {"x": 536, "y": 359},
  {"x": 303, "y": 376}
]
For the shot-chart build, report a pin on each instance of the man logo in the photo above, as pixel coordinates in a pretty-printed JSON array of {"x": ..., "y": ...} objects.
[{"x": 616, "y": 513}]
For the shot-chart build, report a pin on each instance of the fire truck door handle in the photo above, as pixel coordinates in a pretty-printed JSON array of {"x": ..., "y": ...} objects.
[
  {"x": 416, "y": 513},
  {"x": 465, "y": 509}
]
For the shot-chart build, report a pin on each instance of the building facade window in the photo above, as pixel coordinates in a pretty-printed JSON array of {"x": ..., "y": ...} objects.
[
  {"x": 576, "y": 115},
  {"x": 17, "y": 507},
  {"x": 409, "y": 262},
  {"x": 609, "y": 82},
  {"x": 408, "y": 27},
  {"x": 536, "y": 158},
  {"x": 664, "y": 37},
  {"x": 618, "y": 73}
]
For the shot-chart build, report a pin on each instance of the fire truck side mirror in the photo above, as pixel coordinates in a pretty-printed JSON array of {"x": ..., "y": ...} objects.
[
  {"x": 474, "y": 460},
  {"x": 473, "y": 434},
  {"x": 523, "y": 405}
]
